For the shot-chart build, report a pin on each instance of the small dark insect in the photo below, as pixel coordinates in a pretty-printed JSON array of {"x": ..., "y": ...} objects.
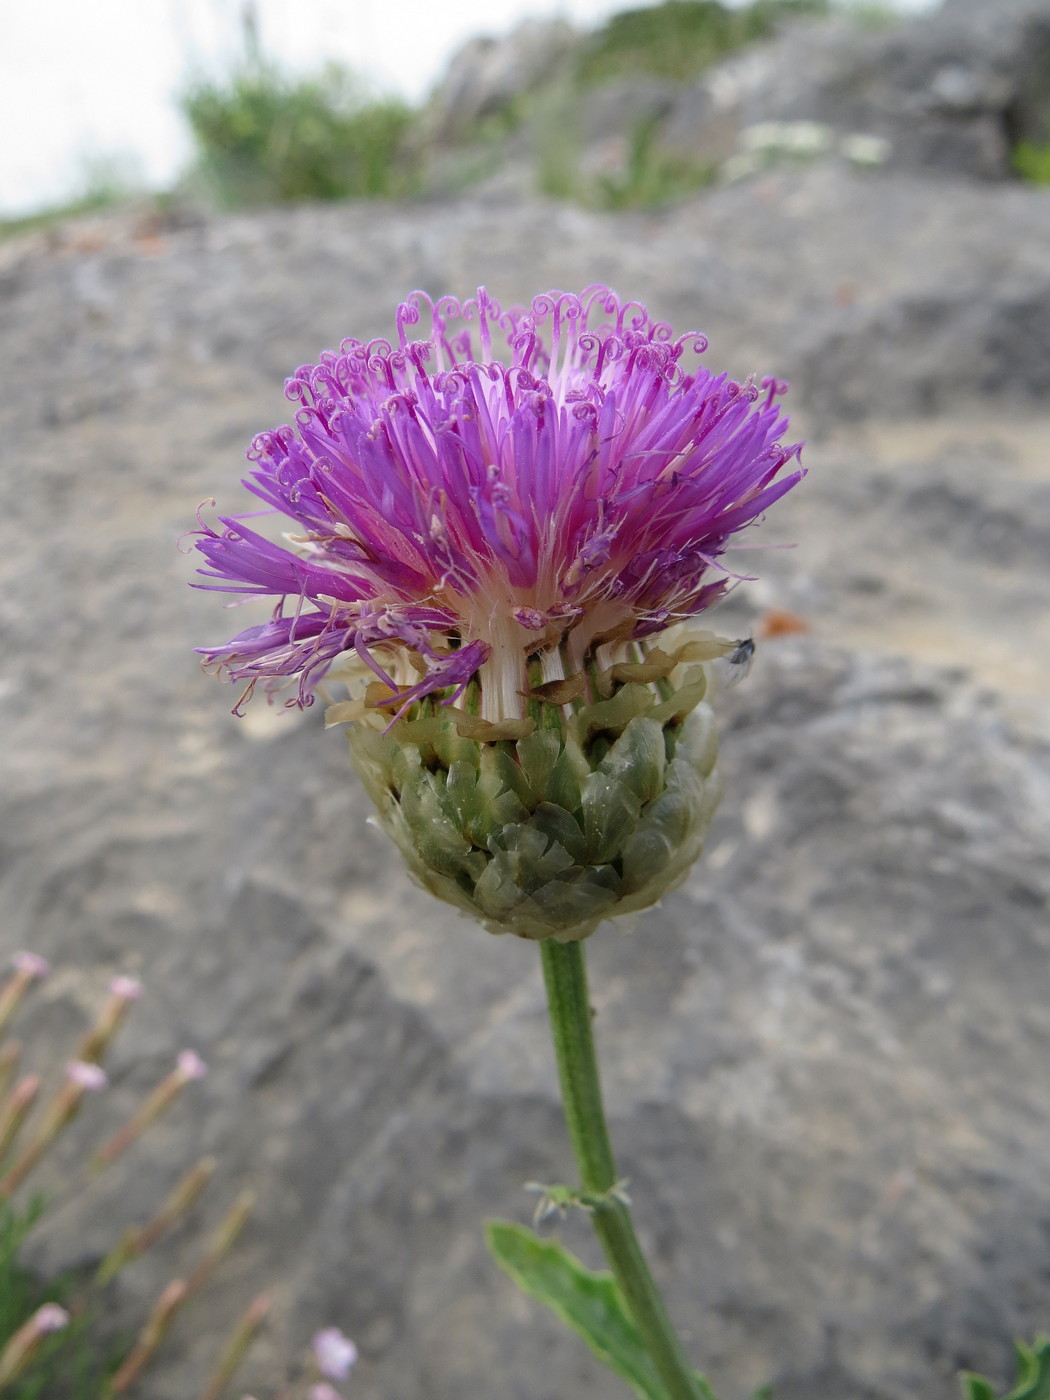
[{"x": 736, "y": 664}]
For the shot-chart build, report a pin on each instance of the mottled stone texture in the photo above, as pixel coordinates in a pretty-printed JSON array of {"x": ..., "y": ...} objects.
[
  {"x": 950, "y": 92},
  {"x": 825, "y": 1054}
]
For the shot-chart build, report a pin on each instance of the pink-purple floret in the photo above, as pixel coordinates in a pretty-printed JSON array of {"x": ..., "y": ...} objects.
[{"x": 594, "y": 466}]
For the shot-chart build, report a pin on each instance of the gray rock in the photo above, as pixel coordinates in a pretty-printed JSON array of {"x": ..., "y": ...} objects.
[
  {"x": 488, "y": 76},
  {"x": 823, "y": 1053},
  {"x": 949, "y": 92}
]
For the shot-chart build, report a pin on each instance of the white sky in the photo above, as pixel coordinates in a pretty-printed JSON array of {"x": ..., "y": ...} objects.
[{"x": 87, "y": 79}]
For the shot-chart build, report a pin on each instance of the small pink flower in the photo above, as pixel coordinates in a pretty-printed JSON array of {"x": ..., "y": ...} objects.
[
  {"x": 323, "y": 1391},
  {"x": 31, "y": 964},
  {"x": 189, "y": 1065},
  {"x": 50, "y": 1318},
  {"x": 87, "y": 1076},
  {"x": 334, "y": 1353},
  {"x": 127, "y": 987}
]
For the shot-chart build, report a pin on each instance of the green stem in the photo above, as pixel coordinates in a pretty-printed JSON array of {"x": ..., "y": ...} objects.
[{"x": 565, "y": 974}]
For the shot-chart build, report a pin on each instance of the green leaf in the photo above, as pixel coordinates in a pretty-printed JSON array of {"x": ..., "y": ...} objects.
[
  {"x": 590, "y": 1303},
  {"x": 976, "y": 1387},
  {"x": 1033, "y": 1375}
]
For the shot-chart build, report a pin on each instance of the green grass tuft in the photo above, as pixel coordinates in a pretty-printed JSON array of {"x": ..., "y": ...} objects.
[
  {"x": 652, "y": 177},
  {"x": 67, "y": 1365},
  {"x": 263, "y": 138},
  {"x": 680, "y": 38}
]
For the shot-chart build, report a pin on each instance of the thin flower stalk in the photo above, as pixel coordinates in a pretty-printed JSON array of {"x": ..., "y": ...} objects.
[
  {"x": 29, "y": 968},
  {"x": 153, "y": 1333},
  {"x": 22, "y": 1347},
  {"x": 565, "y": 977},
  {"x": 137, "y": 1240},
  {"x": 236, "y": 1348},
  {"x": 16, "y": 1109},
  {"x": 188, "y": 1068},
  {"x": 82, "y": 1077},
  {"x": 222, "y": 1241},
  {"x": 123, "y": 992}
]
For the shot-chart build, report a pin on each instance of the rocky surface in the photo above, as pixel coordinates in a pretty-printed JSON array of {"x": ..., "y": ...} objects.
[
  {"x": 488, "y": 76},
  {"x": 824, "y": 1054},
  {"x": 949, "y": 93}
]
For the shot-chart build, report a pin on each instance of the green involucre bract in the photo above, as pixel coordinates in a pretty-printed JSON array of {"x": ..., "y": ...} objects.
[{"x": 547, "y": 835}]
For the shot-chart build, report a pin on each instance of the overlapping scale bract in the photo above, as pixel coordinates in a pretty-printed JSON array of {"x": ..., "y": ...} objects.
[{"x": 547, "y": 836}]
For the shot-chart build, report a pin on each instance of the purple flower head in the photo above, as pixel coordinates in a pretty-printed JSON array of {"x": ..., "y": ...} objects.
[{"x": 529, "y": 483}]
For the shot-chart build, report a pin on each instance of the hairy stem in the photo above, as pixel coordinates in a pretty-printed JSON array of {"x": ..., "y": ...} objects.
[{"x": 565, "y": 974}]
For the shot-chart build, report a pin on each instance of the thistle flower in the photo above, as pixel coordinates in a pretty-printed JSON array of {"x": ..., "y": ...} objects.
[{"x": 490, "y": 545}]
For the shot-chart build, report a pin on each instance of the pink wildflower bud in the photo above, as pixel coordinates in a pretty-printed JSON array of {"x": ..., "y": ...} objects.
[
  {"x": 334, "y": 1353},
  {"x": 127, "y": 988},
  {"x": 123, "y": 991},
  {"x": 28, "y": 967},
  {"x": 86, "y": 1076},
  {"x": 82, "y": 1076},
  {"x": 50, "y": 1318},
  {"x": 21, "y": 1347},
  {"x": 323, "y": 1391},
  {"x": 189, "y": 1065},
  {"x": 31, "y": 964}
]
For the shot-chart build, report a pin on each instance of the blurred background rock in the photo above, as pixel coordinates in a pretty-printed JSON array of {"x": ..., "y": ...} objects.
[{"x": 826, "y": 1053}]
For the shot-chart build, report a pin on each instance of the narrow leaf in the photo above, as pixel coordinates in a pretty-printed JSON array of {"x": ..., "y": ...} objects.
[
  {"x": 590, "y": 1303},
  {"x": 1033, "y": 1376}
]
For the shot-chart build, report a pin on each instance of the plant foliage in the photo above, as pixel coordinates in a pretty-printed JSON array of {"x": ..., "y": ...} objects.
[
  {"x": 67, "y": 1364},
  {"x": 588, "y": 1302},
  {"x": 679, "y": 38},
  {"x": 1033, "y": 1376},
  {"x": 265, "y": 138},
  {"x": 1032, "y": 162}
]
